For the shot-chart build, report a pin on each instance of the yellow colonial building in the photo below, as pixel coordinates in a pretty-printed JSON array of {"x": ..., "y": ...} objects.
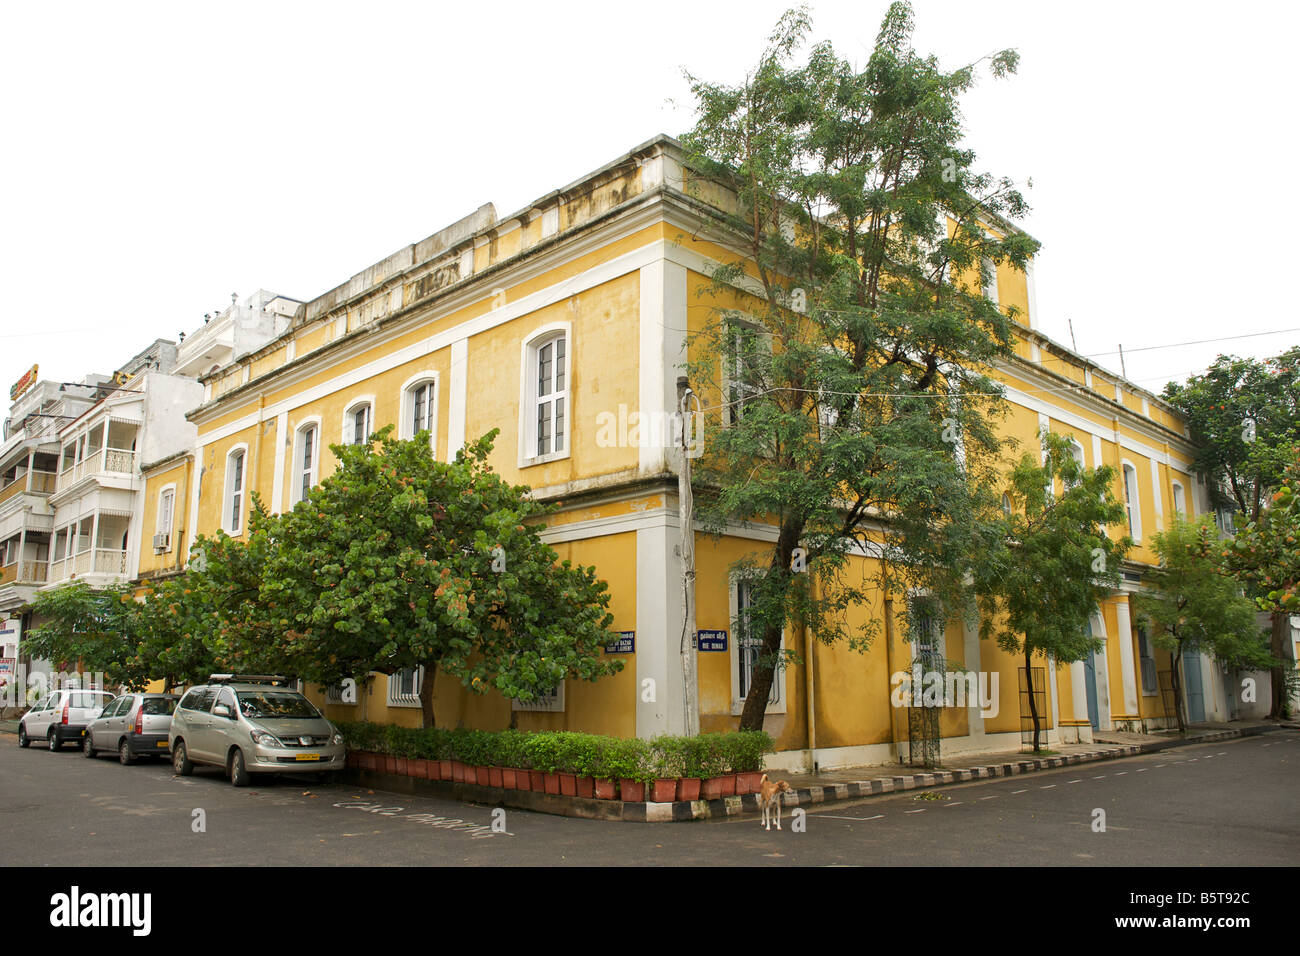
[{"x": 564, "y": 323}]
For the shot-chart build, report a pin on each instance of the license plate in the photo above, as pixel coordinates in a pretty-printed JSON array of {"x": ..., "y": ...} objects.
[
  {"x": 162, "y": 743},
  {"x": 306, "y": 756}
]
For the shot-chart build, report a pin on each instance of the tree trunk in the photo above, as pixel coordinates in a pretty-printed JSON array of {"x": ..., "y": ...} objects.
[
  {"x": 426, "y": 695},
  {"x": 1281, "y": 631},
  {"x": 1176, "y": 677},
  {"x": 751, "y": 717},
  {"x": 1029, "y": 685}
]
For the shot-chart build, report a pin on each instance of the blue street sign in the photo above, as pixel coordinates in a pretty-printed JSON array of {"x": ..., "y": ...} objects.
[
  {"x": 626, "y": 643},
  {"x": 712, "y": 640}
]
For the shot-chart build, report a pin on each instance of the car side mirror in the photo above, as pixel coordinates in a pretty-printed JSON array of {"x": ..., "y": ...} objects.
[{"x": 222, "y": 710}]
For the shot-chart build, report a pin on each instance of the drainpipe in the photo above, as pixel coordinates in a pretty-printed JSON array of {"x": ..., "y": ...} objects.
[
  {"x": 257, "y": 449},
  {"x": 889, "y": 671},
  {"x": 810, "y": 683}
]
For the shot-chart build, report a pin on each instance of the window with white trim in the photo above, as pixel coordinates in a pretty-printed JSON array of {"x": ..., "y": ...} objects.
[
  {"x": 422, "y": 397},
  {"x": 166, "y": 509},
  {"x": 404, "y": 687},
  {"x": 926, "y": 631},
  {"x": 358, "y": 424},
  {"x": 1132, "y": 505},
  {"x": 1146, "y": 663},
  {"x": 1180, "y": 500},
  {"x": 747, "y": 647},
  {"x": 550, "y": 702},
  {"x": 306, "y": 460},
  {"x": 990, "y": 268},
  {"x": 547, "y": 407},
  {"x": 234, "y": 502},
  {"x": 747, "y": 348}
]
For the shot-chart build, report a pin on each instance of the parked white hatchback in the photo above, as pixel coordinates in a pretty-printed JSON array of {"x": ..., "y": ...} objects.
[
  {"x": 249, "y": 724},
  {"x": 62, "y": 717}
]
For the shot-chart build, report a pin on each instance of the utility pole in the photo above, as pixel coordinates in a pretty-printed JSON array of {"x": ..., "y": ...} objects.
[
  {"x": 1123, "y": 369},
  {"x": 686, "y": 509}
]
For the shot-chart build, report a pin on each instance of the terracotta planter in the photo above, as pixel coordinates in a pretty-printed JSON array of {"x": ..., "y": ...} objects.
[
  {"x": 444, "y": 770},
  {"x": 495, "y": 777},
  {"x": 586, "y": 787},
  {"x": 755, "y": 780},
  {"x": 353, "y": 759},
  {"x": 552, "y": 784},
  {"x": 728, "y": 784},
  {"x": 401, "y": 766},
  {"x": 418, "y": 767},
  {"x": 568, "y": 784},
  {"x": 631, "y": 791},
  {"x": 457, "y": 771},
  {"x": 664, "y": 790},
  {"x": 715, "y": 788},
  {"x": 482, "y": 777},
  {"x": 508, "y": 777},
  {"x": 368, "y": 761},
  {"x": 390, "y": 763},
  {"x": 606, "y": 789},
  {"x": 537, "y": 781},
  {"x": 688, "y": 788}
]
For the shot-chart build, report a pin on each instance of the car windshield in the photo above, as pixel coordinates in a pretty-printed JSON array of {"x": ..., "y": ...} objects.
[
  {"x": 159, "y": 705},
  {"x": 264, "y": 704}
]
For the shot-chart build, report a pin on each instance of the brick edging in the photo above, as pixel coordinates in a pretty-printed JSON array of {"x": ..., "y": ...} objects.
[{"x": 682, "y": 811}]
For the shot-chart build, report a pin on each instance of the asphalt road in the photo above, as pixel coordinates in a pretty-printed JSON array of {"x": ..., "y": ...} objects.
[{"x": 1219, "y": 804}]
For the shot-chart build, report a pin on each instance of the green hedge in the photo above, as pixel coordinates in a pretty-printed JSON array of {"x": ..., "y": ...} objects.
[{"x": 587, "y": 755}]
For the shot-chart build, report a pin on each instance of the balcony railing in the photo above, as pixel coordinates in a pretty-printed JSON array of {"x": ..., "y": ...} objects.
[
  {"x": 24, "y": 572},
  {"x": 90, "y": 561},
  {"x": 116, "y": 461},
  {"x": 42, "y": 483}
]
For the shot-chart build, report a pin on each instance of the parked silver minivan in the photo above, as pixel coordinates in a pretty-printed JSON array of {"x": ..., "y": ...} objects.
[
  {"x": 61, "y": 716},
  {"x": 249, "y": 724},
  {"x": 134, "y": 725}
]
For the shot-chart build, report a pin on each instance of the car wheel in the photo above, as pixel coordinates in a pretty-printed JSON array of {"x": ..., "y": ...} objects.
[
  {"x": 124, "y": 753},
  {"x": 239, "y": 775},
  {"x": 181, "y": 765},
  {"x": 23, "y": 739},
  {"x": 54, "y": 741},
  {"x": 88, "y": 746}
]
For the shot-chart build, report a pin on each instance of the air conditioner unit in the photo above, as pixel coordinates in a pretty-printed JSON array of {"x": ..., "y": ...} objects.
[{"x": 162, "y": 541}]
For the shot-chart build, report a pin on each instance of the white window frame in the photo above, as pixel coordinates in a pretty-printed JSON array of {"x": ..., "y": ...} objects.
[
  {"x": 529, "y": 353},
  {"x": 406, "y": 427},
  {"x": 228, "y": 498},
  {"x": 779, "y": 686},
  {"x": 395, "y": 696},
  {"x": 1145, "y": 639},
  {"x": 295, "y": 465},
  {"x": 166, "y": 527},
  {"x": 990, "y": 288},
  {"x": 1132, "y": 498},
  {"x": 547, "y": 703},
  {"x": 1179, "y": 503},
  {"x": 732, "y": 376},
  {"x": 349, "y": 429}
]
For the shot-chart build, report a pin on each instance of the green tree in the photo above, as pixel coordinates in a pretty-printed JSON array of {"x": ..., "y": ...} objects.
[
  {"x": 853, "y": 374},
  {"x": 1244, "y": 418},
  {"x": 1265, "y": 555},
  {"x": 96, "y": 629},
  {"x": 1050, "y": 560},
  {"x": 1193, "y": 605},
  {"x": 398, "y": 561}
]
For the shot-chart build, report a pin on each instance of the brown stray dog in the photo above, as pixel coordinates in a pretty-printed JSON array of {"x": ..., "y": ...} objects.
[{"x": 769, "y": 799}]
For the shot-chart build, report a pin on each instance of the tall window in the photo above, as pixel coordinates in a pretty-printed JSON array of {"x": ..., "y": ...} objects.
[
  {"x": 359, "y": 425},
  {"x": 1146, "y": 662},
  {"x": 422, "y": 396},
  {"x": 748, "y": 346},
  {"x": 1131, "y": 503},
  {"x": 1180, "y": 501},
  {"x": 235, "y": 491},
  {"x": 305, "y": 460},
  {"x": 926, "y": 626},
  {"x": 166, "y": 507},
  {"x": 749, "y": 645},
  {"x": 991, "y": 286},
  {"x": 550, "y": 396}
]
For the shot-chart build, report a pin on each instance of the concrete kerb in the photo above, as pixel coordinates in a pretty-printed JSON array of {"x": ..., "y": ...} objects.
[{"x": 683, "y": 811}]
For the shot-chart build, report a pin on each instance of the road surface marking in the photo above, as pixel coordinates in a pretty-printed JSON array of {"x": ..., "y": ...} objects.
[
  {"x": 915, "y": 811},
  {"x": 957, "y": 804},
  {"x": 1014, "y": 792},
  {"x": 828, "y": 816},
  {"x": 1080, "y": 780}
]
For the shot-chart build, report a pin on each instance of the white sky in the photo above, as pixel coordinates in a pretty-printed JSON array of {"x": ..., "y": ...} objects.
[{"x": 159, "y": 156}]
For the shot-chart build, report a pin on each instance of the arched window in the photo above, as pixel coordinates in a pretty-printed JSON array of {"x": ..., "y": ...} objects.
[
  {"x": 545, "y": 408},
  {"x": 1131, "y": 502},
  {"x": 306, "y": 459},
  {"x": 234, "y": 497},
  {"x": 358, "y": 423},
  {"x": 420, "y": 407}
]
